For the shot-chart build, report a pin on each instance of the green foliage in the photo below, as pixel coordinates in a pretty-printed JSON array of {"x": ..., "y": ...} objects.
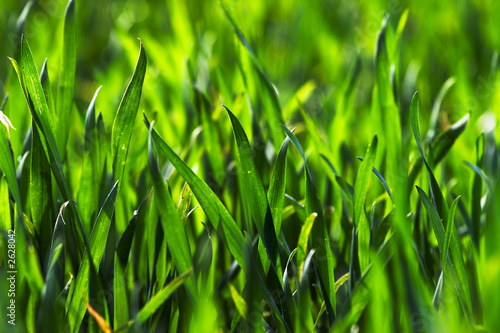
[{"x": 203, "y": 218}]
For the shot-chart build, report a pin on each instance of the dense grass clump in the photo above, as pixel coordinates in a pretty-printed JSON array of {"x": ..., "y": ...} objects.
[{"x": 256, "y": 167}]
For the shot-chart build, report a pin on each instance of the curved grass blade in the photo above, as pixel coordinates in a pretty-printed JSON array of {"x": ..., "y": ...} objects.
[
  {"x": 67, "y": 78},
  {"x": 381, "y": 178},
  {"x": 45, "y": 81},
  {"x": 88, "y": 204},
  {"x": 449, "y": 227},
  {"x": 37, "y": 103},
  {"x": 98, "y": 237},
  {"x": 160, "y": 297},
  {"x": 172, "y": 225},
  {"x": 442, "y": 212},
  {"x": 123, "y": 124},
  {"x": 257, "y": 199},
  {"x": 305, "y": 232},
  {"x": 320, "y": 240},
  {"x": 276, "y": 191},
  {"x": 40, "y": 191},
  {"x": 443, "y": 143},
  {"x": 239, "y": 301},
  {"x": 219, "y": 216},
  {"x": 437, "y": 106},
  {"x": 304, "y": 322},
  {"x": 360, "y": 192}
]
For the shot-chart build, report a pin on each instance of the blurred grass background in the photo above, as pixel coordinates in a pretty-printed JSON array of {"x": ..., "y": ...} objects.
[{"x": 295, "y": 41}]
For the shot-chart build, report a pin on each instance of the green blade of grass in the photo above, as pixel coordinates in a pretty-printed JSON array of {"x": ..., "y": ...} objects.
[
  {"x": 123, "y": 124},
  {"x": 305, "y": 232},
  {"x": 441, "y": 209},
  {"x": 320, "y": 240},
  {"x": 476, "y": 194},
  {"x": 239, "y": 301},
  {"x": 437, "y": 106},
  {"x": 443, "y": 143},
  {"x": 160, "y": 297},
  {"x": 40, "y": 190},
  {"x": 120, "y": 303},
  {"x": 360, "y": 192},
  {"x": 45, "y": 81},
  {"x": 98, "y": 237},
  {"x": 7, "y": 166},
  {"x": 304, "y": 322},
  {"x": 212, "y": 206},
  {"x": 172, "y": 225},
  {"x": 257, "y": 199},
  {"x": 37, "y": 103},
  {"x": 276, "y": 191},
  {"x": 5, "y": 215},
  {"x": 67, "y": 78},
  {"x": 88, "y": 204},
  {"x": 449, "y": 227},
  {"x": 381, "y": 178}
]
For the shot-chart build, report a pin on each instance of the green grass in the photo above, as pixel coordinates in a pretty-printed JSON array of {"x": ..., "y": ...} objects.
[{"x": 250, "y": 166}]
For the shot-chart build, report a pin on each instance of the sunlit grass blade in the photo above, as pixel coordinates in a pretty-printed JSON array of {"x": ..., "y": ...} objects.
[
  {"x": 444, "y": 141},
  {"x": 438, "y": 211},
  {"x": 160, "y": 297},
  {"x": 41, "y": 185},
  {"x": 89, "y": 181},
  {"x": 257, "y": 199},
  {"x": 437, "y": 106},
  {"x": 67, "y": 77},
  {"x": 450, "y": 225},
  {"x": 98, "y": 237},
  {"x": 382, "y": 180},
  {"x": 320, "y": 240},
  {"x": 360, "y": 192},
  {"x": 125, "y": 116},
  {"x": 173, "y": 227},
  {"x": 276, "y": 192},
  {"x": 239, "y": 301},
  {"x": 212, "y": 206},
  {"x": 305, "y": 232}
]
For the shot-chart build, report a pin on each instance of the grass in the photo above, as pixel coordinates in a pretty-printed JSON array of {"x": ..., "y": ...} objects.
[{"x": 249, "y": 166}]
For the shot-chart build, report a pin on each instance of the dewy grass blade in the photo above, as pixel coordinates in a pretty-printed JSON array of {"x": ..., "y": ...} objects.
[
  {"x": 172, "y": 225},
  {"x": 360, "y": 192},
  {"x": 125, "y": 116},
  {"x": 67, "y": 78}
]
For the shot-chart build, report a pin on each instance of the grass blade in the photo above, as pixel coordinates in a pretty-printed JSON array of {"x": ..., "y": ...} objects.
[
  {"x": 98, "y": 237},
  {"x": 125, "y": 116},
  {"x": 172, "y": 225},
  {"x": 212, "y": 206},
  {"x": 160, "y": 297},
  {"x": 360, "y": 192},
  {"x": 67, "y": 78},
  {"x": 320, "y": 240}
]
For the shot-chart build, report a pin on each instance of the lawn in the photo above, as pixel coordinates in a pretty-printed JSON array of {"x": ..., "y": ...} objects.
[{"x": 259, "y": 166}]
